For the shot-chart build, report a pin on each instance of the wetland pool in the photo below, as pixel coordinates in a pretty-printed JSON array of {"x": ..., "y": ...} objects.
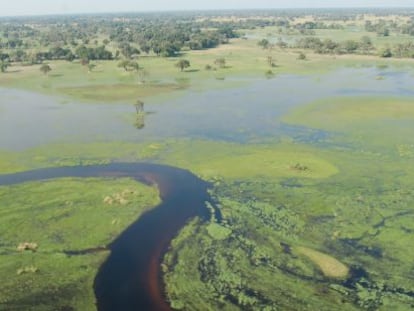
[
  {"x": 249, "y": 113},
  {"x": 307, "y": 172}
]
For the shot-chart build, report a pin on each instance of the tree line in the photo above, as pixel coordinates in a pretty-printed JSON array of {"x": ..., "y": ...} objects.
[{"x": 36, "y": 39}]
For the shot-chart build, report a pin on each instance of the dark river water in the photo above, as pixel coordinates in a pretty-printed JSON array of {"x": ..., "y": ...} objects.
[{"x": 130, "y": 278}]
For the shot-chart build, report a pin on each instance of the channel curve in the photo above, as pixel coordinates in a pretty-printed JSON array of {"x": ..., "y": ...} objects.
[{"x": 130, "y": 279}]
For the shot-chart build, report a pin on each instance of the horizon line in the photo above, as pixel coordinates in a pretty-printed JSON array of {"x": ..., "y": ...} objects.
[{"x": 206, "y": 10}]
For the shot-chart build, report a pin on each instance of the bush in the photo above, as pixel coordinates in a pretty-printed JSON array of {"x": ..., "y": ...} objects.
[
  {"x": 302, "y": 56},
  {"x": 386, "y": 53}
]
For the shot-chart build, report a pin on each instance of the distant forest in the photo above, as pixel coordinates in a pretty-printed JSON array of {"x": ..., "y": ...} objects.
[{"x": 32, "y": 40}]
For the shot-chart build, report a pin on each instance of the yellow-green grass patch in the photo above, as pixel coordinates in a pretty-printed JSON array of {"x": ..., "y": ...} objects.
[
  {"x": 235, "y": 161},
  {"x": 344, "y": 112}
]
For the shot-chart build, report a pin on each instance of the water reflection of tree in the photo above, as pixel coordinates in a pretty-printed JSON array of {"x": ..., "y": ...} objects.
[
  {"x": 140, "y": 117},
  {"x": 140, "y": 121}
]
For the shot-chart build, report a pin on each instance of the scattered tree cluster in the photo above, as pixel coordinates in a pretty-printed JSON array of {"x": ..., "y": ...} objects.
[{"x": 328, "y": 46}]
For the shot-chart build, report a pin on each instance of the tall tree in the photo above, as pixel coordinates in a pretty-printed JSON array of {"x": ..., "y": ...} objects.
[
  {"x": 3, "y": 65},
  {"x": 182, "y": 64},
  {"x": 45, "y": 68},
  {"x": 264, "y": 43}
]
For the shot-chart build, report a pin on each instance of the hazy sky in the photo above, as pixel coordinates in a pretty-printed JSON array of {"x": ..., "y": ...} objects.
[{"x": 35, "y": 7}]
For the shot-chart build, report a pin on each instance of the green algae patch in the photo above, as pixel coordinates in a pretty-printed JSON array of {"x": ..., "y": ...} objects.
[
  {"x": 345, "y": 112},
  {"x": 60, "y": 218},
  {"x": 234, "y": 161}
]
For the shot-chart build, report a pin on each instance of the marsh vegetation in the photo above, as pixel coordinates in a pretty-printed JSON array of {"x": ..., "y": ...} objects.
[{"x": 300, "y": 121}]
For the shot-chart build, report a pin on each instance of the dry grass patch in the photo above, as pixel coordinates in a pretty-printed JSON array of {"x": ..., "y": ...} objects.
[{"x": 330, "y": 266}]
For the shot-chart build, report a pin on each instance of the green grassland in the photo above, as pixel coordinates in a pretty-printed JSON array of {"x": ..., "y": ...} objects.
[
  {"x": 237, "y": 161},
  {"x": 59, "y": 216}
]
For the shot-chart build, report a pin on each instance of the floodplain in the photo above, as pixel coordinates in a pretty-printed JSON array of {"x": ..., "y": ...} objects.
[{"x": 308, "y": 155}]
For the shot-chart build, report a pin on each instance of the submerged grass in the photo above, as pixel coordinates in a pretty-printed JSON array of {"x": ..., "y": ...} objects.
[
  {"x": 345, "y": 112},
  {"x": 383, "y": 125}
]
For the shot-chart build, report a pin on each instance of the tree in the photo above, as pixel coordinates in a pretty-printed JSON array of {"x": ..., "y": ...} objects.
[
  {"x": 124, "y": 64},
  {"x": 128, "y": 51},
  {"x": 182, "y": 64},
  {"x": 143, "y": 75},
  {"x": 157, "y": 49},
  {"x": 269, "y": 74},
  {"x": 386, "y": 53},
  {"x": 140, "y": 119},
  {"x": 302, "y": 56},
  {"x": 3, "y": 65},
  {"x": 366, "y": 44},
  {"x": 145, "y": 48},
  {"x": 271, "y": 61},
  {"x": 129, "y": 65},
  {"x": 264, "y": 43},
  {"x": 91, "y": 67},
  {"x": 383, "y": 32},
  {"x": 134, "y": 66},
  {"x": 84, "y": 61},
  {"x": 350, "y": 46},
  {"x": 4, "y": 56},
  {"x": 139, "y": 106},
  {"x": 45, "y": 68},
  {"x": 221, "y": 62}
]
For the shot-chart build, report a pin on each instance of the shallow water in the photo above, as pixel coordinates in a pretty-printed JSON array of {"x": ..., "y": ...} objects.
[{"x": 248, "y": 113}]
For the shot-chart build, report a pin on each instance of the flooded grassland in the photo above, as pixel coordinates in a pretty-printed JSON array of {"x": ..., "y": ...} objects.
[{"x": 312, "y": 175}]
